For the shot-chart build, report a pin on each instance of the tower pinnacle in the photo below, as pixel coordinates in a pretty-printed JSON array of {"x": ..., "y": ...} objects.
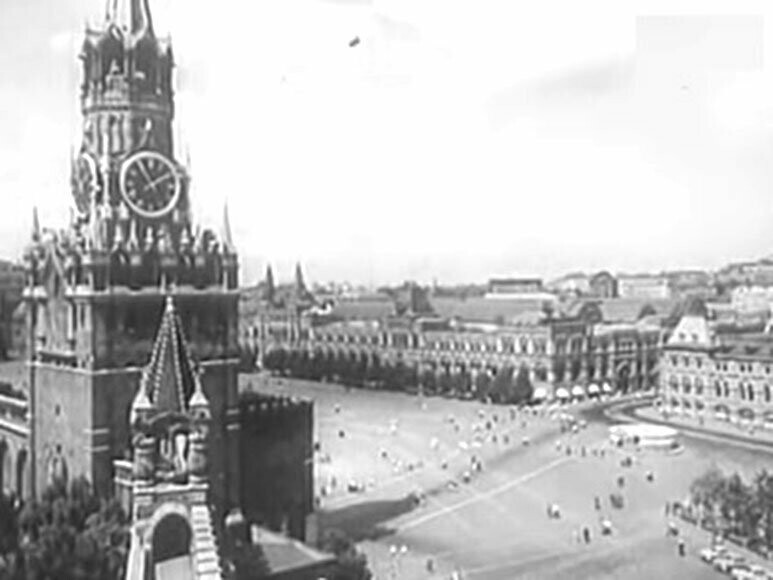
[{"x": 130, "y": 15}]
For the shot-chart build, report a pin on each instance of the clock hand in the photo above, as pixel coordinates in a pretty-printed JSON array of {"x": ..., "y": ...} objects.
[
  {"x": 158, "y": 181},
  {"x": 145, "y": 174}
]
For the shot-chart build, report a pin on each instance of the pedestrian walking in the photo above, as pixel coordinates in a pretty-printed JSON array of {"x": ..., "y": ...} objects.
[
  {"x": 597, "y": 503},
  {"x": 682, "y": 549},
  {"x": 586, "y": 534}
]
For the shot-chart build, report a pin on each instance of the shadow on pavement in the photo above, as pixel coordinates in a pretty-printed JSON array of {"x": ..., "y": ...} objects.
[{"x": 362, "y": 521}]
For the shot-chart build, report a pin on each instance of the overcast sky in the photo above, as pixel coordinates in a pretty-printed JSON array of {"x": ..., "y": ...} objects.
[{"x": 461, "y": 139}]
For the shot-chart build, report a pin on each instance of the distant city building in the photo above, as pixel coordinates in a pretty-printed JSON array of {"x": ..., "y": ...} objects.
[
  {"x": 577, "y": 284},
  {"x": 514, "y": 287},
  {"x": 271, "y": 314},
  {"x": 715, "y": 370},
  {"x": 759, "y": 273},
  {"x": 643, "y": 286},
  {"x": 602, "y": 285},
  {"x": 575, "y": 347},
  {"x": 691, "y": 283},
  {"x": 752, "y": 299}
]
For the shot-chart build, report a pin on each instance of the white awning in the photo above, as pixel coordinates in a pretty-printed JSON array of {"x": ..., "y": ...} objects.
[
  {"x": 593, "y": 389},
  {"x": 540, "y": 393},
  {"x": 606, "y": 388},
  {"x": 578, "y": 391},
  {"x": 562, "y": 393}
]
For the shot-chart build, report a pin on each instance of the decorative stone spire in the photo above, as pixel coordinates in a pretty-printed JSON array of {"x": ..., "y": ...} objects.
[
  {"x": 35, "y": 225},
  {"x": 185, "y": 239},
  {"x": 133, "y": 244},
  {"x": 225, "y": 235},
  {"x": 302, "y": 293},
  {"x": 118, "y": 236},
  {"x": 198, "y": 401},
  {"x": 141, "y": 405},
  {"x": 270, "y": 292},
  {"x": 132, "y": 16},
  {"x": 170, "y": 376},
  {"x": 149, "y": 239}
]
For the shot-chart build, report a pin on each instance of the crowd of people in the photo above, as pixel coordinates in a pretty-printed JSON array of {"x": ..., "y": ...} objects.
[{"x": 460, "y": 443}]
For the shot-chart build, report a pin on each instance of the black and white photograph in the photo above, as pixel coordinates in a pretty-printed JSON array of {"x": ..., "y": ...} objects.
[{"x": 386, "y": 290}]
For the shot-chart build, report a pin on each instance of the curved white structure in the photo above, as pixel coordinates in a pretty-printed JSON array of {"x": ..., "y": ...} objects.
[{"x": 645, "y": 435}]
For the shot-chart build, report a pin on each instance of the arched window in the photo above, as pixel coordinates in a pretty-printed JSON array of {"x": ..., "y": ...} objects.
[
  {"x": 717, "y": 388},
  {"x": 698, "y": 386},
  {"x": 766, "y": 390},
  {"x": 686, "y": 385},
  {"x": 750, "y": 392}
]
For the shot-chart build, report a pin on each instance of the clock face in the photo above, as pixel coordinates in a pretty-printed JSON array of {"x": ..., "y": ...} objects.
[
  {"x": 150, "y": 184},
  {"x": 84, "y": 181}
]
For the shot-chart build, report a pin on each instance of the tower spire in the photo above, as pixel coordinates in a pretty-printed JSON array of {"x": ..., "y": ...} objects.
[
  {"x": 35, "y": 225},
  {"x": 130, "y": 15},
  {"x": 300, "y": 285},
  {"x": 225, "y": 234},
  {"x": 270, "y": 292}
]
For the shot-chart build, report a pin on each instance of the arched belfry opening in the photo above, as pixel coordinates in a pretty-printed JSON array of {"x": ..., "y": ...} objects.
[{"x": 172, "y": 538}]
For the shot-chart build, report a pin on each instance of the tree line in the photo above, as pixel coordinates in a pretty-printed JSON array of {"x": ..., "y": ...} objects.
[
  {"x": 508, "y": 386},
  {"x": 735, "y": 507},
  {"x": 69, "y": 533}
]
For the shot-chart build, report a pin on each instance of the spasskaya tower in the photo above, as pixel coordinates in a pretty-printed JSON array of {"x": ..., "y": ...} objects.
[{"x": 96, "y": 289}]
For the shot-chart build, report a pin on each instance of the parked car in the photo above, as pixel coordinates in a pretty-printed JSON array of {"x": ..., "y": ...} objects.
[
  {"x": 740, "y": 572},
  {"x": 711, "y": 553},
  {"x": 726, "y": 562},
  {"x": 750, "y": 573}
]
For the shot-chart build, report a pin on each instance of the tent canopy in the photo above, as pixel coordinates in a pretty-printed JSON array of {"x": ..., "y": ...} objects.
[
  {"x": 562, "y": 393},
  {"x": 593, "y": 388},
  {"x": 578, "y": 391},
  {"x": 540, "y": 393},
  {"x": 606, "y": 388}
]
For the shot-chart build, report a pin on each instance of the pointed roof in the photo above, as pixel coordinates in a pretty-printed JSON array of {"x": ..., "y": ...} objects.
[
  {"x": 299, "y": 282},
  {"x": 225, "y": 234},
  {"x": 270, "y": 290},
  {"x": 35, "y": 225},
  {"x": 170, "y": 377},
  {"x": 301, "y": 294},
  {"x": 130, "y": 15}
]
